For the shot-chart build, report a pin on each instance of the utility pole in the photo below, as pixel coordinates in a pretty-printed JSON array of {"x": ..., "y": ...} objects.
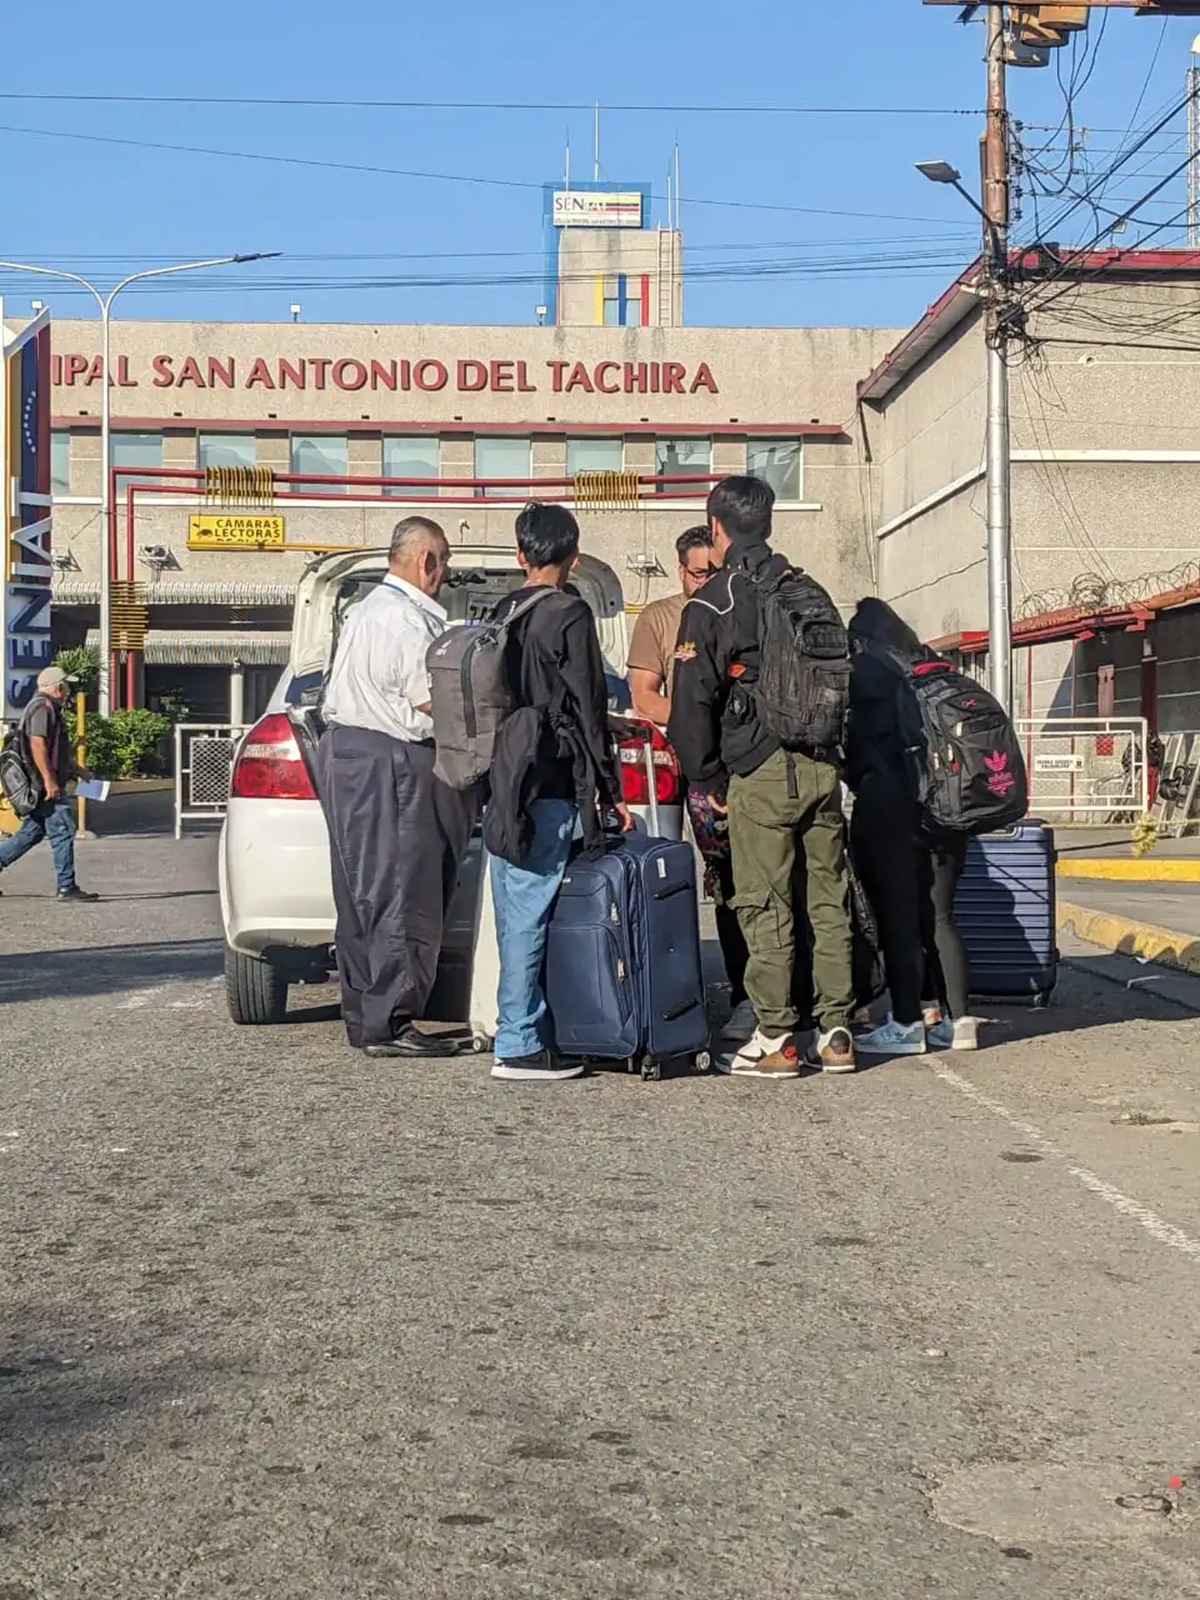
[{"x": 999, "y": 459}]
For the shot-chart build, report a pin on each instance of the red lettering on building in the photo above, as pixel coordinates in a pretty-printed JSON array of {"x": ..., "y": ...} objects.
[
  {"x": 383, "y": 376},
  {"x": 601, "y": 379},
  {"x": 164, "y": 372},
  {"x": 349, "y": 374},
  {"x": 472, "y": 376},
  {"x": 320, "y": 366},
  {"x": 260, "y": 374},
  {"x": 221, "y": 370},
  {"x": 95, "y": 370},
  {"x": 430, "y": 375},
  {"x": 580, "y": 379},
  {"x": 557, "y": 368},
  {"x": 704, "y": 380},
  {"x": 292, "y": 372},
  {"x": 502, "y": 376},
  {"x": 673, "y": 374},
  {"x": 190, "y": 372},
  {"x": 523, "y": 384},
  {"x": 635, "y": 377}
]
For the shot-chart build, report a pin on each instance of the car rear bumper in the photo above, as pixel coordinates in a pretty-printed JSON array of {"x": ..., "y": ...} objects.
[{"x": 274, "y": 876}]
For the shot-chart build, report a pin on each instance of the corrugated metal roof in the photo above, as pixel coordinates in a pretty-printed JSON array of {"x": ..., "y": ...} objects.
[
  {"x": 206, "y": 647},
  {"x": 85, "y": 592}
]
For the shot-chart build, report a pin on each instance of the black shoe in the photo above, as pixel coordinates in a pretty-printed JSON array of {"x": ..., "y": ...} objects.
[
  {"x": 76, "y": 893},
  {"x": 541, "y": 1068},
  {"x": 411, "y": 1045}
]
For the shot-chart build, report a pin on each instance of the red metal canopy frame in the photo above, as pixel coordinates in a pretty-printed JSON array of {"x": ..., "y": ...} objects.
[{"x": 128, "y": 483}]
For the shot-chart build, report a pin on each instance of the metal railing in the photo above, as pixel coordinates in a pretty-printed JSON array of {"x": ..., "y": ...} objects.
[
  {"x": 203, "y": 767},
  {"x": 1086, "y": 771}
]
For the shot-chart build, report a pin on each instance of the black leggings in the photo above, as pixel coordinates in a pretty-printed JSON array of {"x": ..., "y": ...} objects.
[
  {"x": 947, "y": 968},
  {"x": 891, "y": 864}
]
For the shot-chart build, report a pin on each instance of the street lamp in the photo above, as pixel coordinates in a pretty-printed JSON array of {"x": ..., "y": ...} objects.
[
  {"x": 105, "y": 302},
  {"x": 999, "y": 457}
]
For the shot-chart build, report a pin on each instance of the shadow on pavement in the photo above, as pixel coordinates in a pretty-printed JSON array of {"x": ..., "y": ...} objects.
[{"x": 106, "y": 969}]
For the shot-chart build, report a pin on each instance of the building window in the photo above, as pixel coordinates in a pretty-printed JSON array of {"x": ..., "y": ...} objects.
[
  {"x": 60, "y": 461},
  {"x": 323, "y": 455},
  {"x": 612, "y": 310},
  {"x": 780, "y": 462},
  {"x": 136, "y": 450},
  {"x": 593, "y": 455},
  {"x": 503, "y": 458},
  {"x": 675, "y": 456},
  {"x": 409, "y": 458},
  {"x": 226, "y": 450}
]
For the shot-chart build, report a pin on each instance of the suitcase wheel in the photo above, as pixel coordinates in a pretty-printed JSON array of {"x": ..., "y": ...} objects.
[
  {"x": 1042, "y": 999},
  {"x": 481, "y": 1044},
  {"x": 651, "y": 1069},
  {"x": 703, "y": 1061}
]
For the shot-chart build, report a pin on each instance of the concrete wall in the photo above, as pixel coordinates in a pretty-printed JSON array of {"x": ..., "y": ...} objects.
[
  {"x": 587, "y": 253},
  {"x": 761, "y": 377}
]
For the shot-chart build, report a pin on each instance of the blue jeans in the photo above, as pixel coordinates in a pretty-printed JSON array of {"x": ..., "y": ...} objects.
[
  {"x": 523, "y": 897},
  {"x": 52, "y": 820}
]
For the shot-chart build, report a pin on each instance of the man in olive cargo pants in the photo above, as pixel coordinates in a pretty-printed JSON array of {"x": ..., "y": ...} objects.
[
  {"x": 778, "y": 801},
  {"x": 789, "y": 801}
]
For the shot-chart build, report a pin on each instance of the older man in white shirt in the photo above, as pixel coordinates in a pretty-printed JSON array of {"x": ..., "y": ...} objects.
[{"x": 397, "y": 835}]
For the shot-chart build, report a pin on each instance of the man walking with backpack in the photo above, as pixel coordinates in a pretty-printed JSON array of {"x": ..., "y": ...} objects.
[
  {"x": 45, "y": 755},
  {"x": 758, "y": 714}
]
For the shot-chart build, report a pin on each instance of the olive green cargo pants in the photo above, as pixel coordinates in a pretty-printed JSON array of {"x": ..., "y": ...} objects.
[{"x": 791, "y": 801}]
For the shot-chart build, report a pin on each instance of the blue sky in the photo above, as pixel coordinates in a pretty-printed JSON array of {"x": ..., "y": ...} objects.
[{"x": 109, "y": 207}]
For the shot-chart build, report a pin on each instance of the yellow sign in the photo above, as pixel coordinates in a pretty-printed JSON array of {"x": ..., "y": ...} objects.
[{"x": 226, "y": 532}]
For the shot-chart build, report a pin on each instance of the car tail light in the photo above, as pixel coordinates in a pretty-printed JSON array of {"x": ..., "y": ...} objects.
[
  {"x": 269, "y": 765},
  {"x": 632, "y": 754}
]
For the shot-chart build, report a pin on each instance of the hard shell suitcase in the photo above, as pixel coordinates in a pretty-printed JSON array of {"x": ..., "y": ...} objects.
[
  {"x": 624, "y": 980},
  {"x": 1006, "y": 913}
]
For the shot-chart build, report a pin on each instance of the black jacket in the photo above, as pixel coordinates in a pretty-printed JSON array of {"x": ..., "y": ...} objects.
[
  {"x": 714, "y": 726},
  {"x": 875, "y": 743},
  {"x": 555, "y": 746}
]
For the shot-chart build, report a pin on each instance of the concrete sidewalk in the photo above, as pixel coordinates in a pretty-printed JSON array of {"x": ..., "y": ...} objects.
[{"x": 1152, "y": 921}]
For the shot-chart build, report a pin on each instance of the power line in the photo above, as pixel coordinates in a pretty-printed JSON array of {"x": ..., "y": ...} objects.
[
  {"x": 315, "y": 102},
  {"x": 431, "y": 177}
]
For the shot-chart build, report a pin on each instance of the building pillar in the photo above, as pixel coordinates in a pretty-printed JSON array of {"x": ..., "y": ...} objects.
[{"x": 237, "y": 694}]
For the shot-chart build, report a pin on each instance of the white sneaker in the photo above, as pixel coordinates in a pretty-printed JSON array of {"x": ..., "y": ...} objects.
[
  {"x": 893, "y": 1039},
  {"x": 966, "y": 1033},
  {"x": 761, "y": 1057},
  {"x": 955, "y": 1034},
  {"x": 742, "y": 1024}
]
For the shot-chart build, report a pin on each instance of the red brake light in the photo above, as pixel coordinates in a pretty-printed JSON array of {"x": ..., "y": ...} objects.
[
  {"x": 635, "y": 778},
  {"x": 269, "y": 765}
]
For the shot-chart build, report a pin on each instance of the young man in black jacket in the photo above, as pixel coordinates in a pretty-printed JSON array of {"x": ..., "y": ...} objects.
[
  {"x": 778, "y": 800},
  {"x": 556, "y": 667}
]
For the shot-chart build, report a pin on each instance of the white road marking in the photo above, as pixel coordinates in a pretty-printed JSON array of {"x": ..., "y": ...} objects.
[
  {"x": 139, "y": 999},
  {"x": 1157, "y": 1227}
]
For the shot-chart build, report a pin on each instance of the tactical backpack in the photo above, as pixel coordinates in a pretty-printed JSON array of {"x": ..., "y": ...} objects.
[
  {"x": 803, "y": 690},
  {"x": 962, "y": 754},
  {"x": 471, "y": 694}
]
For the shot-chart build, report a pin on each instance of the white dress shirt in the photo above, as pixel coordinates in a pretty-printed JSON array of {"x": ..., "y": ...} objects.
[{"x": 379, "y": 678}]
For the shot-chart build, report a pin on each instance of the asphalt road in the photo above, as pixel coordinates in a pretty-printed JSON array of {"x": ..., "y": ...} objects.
[{"x": 277, "y": 1322}]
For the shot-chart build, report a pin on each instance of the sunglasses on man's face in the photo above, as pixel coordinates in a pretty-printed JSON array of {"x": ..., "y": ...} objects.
[{"x": 700, "y": 574}]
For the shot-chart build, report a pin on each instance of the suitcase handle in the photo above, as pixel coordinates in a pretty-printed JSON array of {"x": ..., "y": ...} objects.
[
  {"x": 680, "y": 1011},
  {"x": 669, "y": 889}
]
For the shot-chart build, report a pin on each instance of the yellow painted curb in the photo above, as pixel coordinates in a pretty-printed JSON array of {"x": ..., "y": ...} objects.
[
  {"x": 1129, "y": 938},
  {"x": 1147, "y": 869}
]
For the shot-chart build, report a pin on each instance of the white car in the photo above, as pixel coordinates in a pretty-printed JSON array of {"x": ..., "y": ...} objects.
[{"x": 276, "y": 896}]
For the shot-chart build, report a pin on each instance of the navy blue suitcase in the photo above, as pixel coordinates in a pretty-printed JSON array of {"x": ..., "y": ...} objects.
[
  {"x": 624, "y": 980},
  {"x": 1006, "y": 913}
]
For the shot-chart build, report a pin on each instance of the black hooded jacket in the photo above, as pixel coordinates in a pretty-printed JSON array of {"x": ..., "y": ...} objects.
[{"x": 714, "y": 727}]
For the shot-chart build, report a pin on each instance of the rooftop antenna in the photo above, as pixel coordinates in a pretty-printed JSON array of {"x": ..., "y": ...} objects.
[
  {"x": 670, "y": 213},
  {"x": 676, "y": 185},
  {"x": 1193, "y": 171},
  {"x": 567, "y": 164},
  {"x": 596, "y": 146}
]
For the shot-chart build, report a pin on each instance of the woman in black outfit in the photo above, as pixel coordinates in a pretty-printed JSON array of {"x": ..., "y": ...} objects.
[{"x": 910, "y": 875}]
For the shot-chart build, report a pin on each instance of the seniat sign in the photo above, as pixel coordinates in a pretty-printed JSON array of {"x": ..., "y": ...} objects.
[{"x": 25, "y": 516}]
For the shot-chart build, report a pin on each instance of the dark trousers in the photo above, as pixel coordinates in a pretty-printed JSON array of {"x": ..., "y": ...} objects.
[
  {"x": 397, "y": 838},
  {"x": 890, "y": 862},
  {"x": 711, "y": 832},
  {"x": 947, "y": 966}
]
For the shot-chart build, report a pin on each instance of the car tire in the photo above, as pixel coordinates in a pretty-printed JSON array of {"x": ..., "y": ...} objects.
[{"x": 256, "y": 991}]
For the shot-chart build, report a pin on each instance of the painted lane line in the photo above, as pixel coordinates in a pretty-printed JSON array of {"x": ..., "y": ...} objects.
[{"x": 1157, "y": 1227}]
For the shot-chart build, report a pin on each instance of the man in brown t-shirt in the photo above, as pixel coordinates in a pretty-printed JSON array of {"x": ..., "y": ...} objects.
[{"x": 650, "y": 665}]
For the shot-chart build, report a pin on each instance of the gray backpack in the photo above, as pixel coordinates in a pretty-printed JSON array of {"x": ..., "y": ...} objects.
[{"x": 471, "y": 695}]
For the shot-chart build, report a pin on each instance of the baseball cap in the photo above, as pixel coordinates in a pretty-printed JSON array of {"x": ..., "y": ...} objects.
[{"x": 54, "y": 678}]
